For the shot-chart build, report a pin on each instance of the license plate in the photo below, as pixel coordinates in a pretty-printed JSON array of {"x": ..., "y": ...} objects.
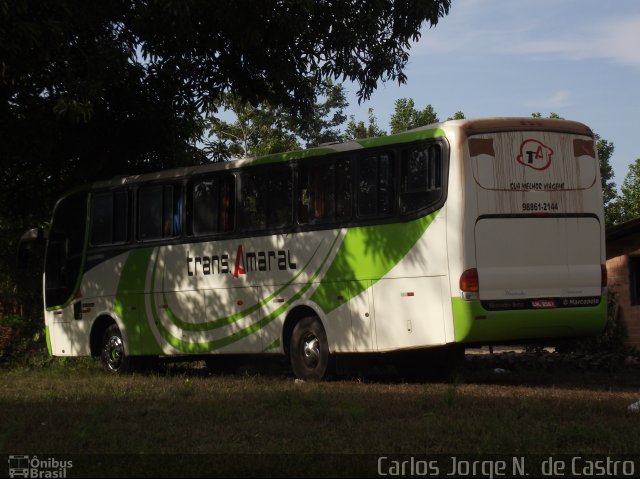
[{"x": 543, "y": 303}]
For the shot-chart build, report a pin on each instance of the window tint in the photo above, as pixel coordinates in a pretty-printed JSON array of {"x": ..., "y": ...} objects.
[
  {"x": 159, "y": 212},
  {"x": 110, "y": 218},
  {"x": 324, "y": 191},
  {"x": 420, "y": 178},
  {"x": 375, "y": 186},
  {"x": 265, "y": 198},
  {"x": 64, "y": 249},
  {"x": 214, "y": 204}
]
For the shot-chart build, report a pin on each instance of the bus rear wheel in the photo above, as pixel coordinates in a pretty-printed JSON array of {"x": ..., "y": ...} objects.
[
  {"x": 309, "y": 350},
  {"x": 112, "y": 356}
]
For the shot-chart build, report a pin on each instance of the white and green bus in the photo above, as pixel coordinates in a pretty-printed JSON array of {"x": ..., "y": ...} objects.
[{"x": 460, "y": 233}]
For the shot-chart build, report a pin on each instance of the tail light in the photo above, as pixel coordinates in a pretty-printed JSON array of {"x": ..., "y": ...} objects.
[
  {"x": 603, "y": 275},
  {"x": 469, "y": 281}
]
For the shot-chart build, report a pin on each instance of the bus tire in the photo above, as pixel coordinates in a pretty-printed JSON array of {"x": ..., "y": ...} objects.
[
  {"x": 309, "y": 350},
  {"x": 112, "y": 356}
]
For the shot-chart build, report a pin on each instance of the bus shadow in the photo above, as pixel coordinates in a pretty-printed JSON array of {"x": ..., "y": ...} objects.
[{"x": 523, "y": 369}]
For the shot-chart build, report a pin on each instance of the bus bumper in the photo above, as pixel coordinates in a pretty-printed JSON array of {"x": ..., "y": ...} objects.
[{"x": 475, "y": 324}]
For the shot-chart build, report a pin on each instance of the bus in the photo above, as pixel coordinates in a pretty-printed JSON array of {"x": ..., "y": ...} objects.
[{"x": 413, "y": 245}]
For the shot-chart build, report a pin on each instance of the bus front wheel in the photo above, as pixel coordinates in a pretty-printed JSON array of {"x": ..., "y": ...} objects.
[
  {"x": 112, "y": 354},
  {"x": 309, "y": 350}
]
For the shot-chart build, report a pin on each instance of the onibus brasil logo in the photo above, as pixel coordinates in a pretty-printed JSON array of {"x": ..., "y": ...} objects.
[
  {"x": 535, "y": 154},
  {"x": 27, "y": 466}
]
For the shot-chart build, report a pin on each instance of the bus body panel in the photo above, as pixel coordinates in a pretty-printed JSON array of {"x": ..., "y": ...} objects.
[{"x": 538, "y": 257}]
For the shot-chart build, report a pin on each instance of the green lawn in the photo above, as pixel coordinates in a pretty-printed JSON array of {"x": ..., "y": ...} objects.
[{"x": 72, "y": 408}]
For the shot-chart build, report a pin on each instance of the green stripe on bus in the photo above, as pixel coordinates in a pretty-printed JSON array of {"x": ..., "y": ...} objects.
[
  {"x": 274, "y": 345},
  {"x": 365, "y": 256},
  {"x": 47, "y": 335},
  {"x": 291, "y": 155},
  {"x": 402, "y": 138},
  {"x": 208, "y": 346},
  {"x": 220, "y": 322},
  {"x": 473, "y": 323},
  {"x": 129, "y": 303}
]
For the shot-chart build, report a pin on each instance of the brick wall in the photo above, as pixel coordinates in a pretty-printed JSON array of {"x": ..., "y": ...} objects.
[{"x": 618, "y": 280}]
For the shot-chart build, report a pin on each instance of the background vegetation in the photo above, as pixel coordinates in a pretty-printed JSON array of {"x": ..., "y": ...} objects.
[{"x": 93, "y": 90}]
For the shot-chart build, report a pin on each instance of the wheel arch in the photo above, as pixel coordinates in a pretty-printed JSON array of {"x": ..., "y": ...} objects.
[
  {"x": 99, "y": 326},
  {"x": 294, "y": 315}
]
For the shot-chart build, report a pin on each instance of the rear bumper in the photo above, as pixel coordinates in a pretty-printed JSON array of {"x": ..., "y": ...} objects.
[{"x": 474, "y": 324}]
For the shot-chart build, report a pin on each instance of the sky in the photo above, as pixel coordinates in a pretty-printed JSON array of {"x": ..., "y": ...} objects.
[{"x": 488, "y": 58}]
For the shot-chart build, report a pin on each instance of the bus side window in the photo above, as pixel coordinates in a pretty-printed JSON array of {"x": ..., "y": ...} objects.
[
  {"x": 279, "y": 190},
  {"x": 266, "y": 198},
  {"x": 375, "y": 186},
  {"x": 213, "y": 204},
  {"x": 324, "y": 191},
  {"x": 420, "y": 178},
  {"x": 102, "y": 218},
  {"x": 110, "y": 218},
  {"x": 159, "y": 212},
  {"x": 253, "y": 214}
]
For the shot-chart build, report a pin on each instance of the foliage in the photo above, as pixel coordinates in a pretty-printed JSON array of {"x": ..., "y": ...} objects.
[
  {"x": 90, "y": 90},
  {"x": 358, "y": 130},
  {"x": 552, "y": 116},
  {"x": 406, "y": 117},
  {"x": 256, "y": 131},
  {"x": 459, "y": 115},
  {"x": 20, "y": 338},
  {"x": 628, "y": 203},
  {"x": 265, "y": 129},
  {"x": 612, "y": 339}
]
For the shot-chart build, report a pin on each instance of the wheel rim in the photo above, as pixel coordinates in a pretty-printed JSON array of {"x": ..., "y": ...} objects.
[
  {"x": 113, "y": 353},
  {"x": 311, "y": 351}
]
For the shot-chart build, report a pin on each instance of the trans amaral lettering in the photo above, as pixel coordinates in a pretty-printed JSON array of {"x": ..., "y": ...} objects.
[{"x": 243, "y": 263}]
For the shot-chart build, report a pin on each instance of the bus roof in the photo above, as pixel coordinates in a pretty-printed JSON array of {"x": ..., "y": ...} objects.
[{"x": 437, "y": 130}]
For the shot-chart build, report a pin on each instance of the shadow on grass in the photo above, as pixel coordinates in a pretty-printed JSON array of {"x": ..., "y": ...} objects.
[{"x": 598, "y": 373}]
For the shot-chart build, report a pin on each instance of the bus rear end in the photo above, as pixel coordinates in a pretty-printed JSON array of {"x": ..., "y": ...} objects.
[{"x": 533, "y": 259}]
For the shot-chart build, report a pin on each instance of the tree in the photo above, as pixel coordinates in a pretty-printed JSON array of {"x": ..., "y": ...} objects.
[
  {"x": 358, "y": 130},
  {"x": 609, "y": 194},
  {"x": 265, "y": 129},
  {"x": 628, "y": 203},
  {"x": 552, "y": 116},
  {"x": 89, "y": 90},
  {"x": 257, "y": 130},
  {"x": 405, "y": 116},
  {"x": 457, "y": 116}
]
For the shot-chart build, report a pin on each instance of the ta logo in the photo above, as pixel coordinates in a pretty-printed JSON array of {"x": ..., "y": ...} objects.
[{"x": 535, "y": 154}]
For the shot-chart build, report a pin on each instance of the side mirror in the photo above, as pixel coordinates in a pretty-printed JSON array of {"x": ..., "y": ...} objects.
[{"x": 31, "y": 238}]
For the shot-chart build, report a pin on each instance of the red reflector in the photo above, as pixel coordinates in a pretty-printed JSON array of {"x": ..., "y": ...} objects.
[
  {"x": 469, "y": 281},
  {"x": 603, "y": 275}
]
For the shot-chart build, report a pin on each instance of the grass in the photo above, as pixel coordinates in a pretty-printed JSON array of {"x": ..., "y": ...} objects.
[{"x": 72, "y": 408}]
